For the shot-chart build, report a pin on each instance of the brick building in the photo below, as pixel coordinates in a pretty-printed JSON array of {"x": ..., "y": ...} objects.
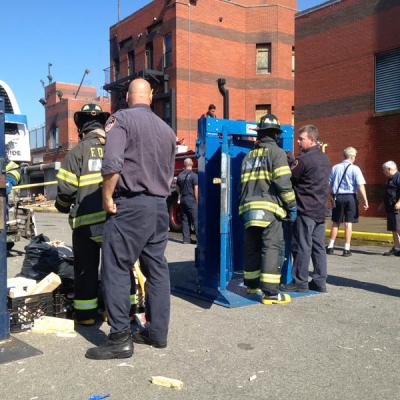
[
  {"x": 50, "y": 143},
  {"x": 348, "y": 81},
  {"x": 184, "y": 46}
]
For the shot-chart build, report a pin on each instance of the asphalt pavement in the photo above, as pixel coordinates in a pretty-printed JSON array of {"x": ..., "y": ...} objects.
[{"x": 341, "y": 345}]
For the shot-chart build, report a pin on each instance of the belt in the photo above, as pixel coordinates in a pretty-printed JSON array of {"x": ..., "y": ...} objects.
[{"x": 128, "y": 195}]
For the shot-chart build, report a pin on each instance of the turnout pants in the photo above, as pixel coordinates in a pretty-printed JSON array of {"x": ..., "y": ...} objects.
[
  {"x": 189, "y": 216},
  {"x": 308, "y": 244},
  {"x": 263, "y": 257},
  {"x": 139, "y": 229},
  {"x": 86, "y": 268}
]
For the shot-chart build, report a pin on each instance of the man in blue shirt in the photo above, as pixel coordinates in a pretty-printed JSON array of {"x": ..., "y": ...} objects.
[{"x": 346, "y": 180}]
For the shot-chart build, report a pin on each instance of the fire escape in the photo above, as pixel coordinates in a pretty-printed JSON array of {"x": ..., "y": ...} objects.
[{"x": 164, "y": 98}]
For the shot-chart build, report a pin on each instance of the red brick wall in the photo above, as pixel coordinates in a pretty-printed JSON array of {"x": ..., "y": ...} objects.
[
  {"x": 214, "y": 39},
  {"x": 60, "y": 113},
  {"x": 335, "y": 83}
]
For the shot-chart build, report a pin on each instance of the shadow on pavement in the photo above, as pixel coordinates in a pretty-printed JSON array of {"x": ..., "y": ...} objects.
[
  {"x": 92, "y": 334},
  {"x": 185, "y": 283},
  {"x": 370, "y": 287}
]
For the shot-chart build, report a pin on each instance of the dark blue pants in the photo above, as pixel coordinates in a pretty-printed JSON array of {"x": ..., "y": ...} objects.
[
  {"x": 86, "y": 268},
  {"x": 263, "y": 257},
  {"x": 139, "y": 229},
  {"x": 189, "y": 216},
  {"x": 308, "y": 244}
]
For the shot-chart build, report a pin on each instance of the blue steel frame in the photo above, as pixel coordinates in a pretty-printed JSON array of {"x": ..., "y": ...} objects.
[
  {"x": 221, "y": 147},
  {"x": 4, "y": 315}
]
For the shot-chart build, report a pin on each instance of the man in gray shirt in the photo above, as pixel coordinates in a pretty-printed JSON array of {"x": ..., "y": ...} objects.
[{"x": 138, "y": 168}]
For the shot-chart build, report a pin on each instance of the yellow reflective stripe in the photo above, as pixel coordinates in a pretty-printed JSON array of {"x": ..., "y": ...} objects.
[
  {"x": 252, "y": 274},
  {"x": 67, "y": 176},
  {"x": 281, "y": 171},
  {"x": 88, "y": 219},
  {"x": 263, "y": 205},
  {"x": 255, "y": 222},
  {"x": 11, "y": 165},
  {"x": 85, "y": 304},
  {"x": 97, "y": 239},
  {"x": 255, "y": 175},
  {"x": 90, "y": 179},
  {"x": 288, "y": 196},
  {"x": 270, "y": 278},
  {"x": 134, "y": 299},
  {"x": 15, "y": 174}
]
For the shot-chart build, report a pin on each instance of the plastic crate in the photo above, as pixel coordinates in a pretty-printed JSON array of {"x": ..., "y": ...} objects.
[
  {"x": 24, "y": 310},
  {"x": 63, "y": 305}
]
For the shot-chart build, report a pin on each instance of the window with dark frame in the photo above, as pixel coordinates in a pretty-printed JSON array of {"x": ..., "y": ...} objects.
[
  {"x": 117, "y": 68},
  {"x": 167, "y": 50},
  {"x": 53, "y": 138},
  {"x": 263, "y": 58},
  {"x": 131, "y": 62},
  {"x": 262, "y": 109},
  {"x": 387, "y": 81},
  {"x": 149, "y": 55},
  {"x": 293, "y": 59}
]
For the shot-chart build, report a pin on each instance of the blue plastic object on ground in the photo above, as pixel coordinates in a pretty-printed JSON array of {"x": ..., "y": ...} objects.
[{"x": 99, "y": 396}]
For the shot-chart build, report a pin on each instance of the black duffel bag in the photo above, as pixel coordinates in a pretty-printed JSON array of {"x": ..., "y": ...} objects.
[{"x": 41, "y": 258}]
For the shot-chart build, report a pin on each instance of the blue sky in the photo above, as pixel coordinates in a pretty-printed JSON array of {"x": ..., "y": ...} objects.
[{"x": 72, "y": 35}]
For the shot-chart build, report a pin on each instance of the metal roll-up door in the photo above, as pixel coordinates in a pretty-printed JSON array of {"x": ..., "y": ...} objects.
[{"x": 387, "y": 81}]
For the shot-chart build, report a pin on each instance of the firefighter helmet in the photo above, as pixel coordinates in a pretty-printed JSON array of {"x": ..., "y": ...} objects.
[
  {"x": 90, "y": 112},
  {"x": 268, "y": 121}
]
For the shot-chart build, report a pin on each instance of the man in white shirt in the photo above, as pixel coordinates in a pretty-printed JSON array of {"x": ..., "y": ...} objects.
[{"x": 346, "y": 180}]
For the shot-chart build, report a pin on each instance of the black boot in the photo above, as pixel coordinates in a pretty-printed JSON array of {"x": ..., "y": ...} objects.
[{"x": 118, "y": 345}]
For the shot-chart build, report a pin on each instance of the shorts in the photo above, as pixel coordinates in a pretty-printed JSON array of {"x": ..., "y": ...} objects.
[
  {"x": 393, "y": 221},
  {"x": 346, "y": 209}
]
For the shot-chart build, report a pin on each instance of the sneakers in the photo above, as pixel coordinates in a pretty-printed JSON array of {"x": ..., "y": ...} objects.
[
  {"x": 329, "y": 251},
  {"x": 118, "y": 345},
  {"x": 143, "y": 338},
  {"x": 313, "y": 286},
  {"x": 291, "y": 287},
  {"x": 254, "y": 291},
  {"x": 392, "y": 252},
  {"x": 347, "y": 253},
  {"x": 279, "y": 298}
]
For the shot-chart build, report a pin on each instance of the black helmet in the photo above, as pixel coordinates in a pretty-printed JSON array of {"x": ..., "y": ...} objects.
[
  {"x": 90, "y": 112},
  {"x": 268, "y": 121}
]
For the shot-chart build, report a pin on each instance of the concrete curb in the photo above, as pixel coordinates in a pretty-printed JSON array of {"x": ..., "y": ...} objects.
[
  {"x": 38, "y": 209},
  {"x": 369, "y": 236}
]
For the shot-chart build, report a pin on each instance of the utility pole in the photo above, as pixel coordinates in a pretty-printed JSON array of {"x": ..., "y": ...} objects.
[{"x": 118, "y": 9}]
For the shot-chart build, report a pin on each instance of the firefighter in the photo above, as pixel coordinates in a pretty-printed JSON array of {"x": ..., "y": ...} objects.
[
  {"x": 79, "y": 194},
  {"x": 266, "y": 198},
  {"x": 13, "y": 175}
]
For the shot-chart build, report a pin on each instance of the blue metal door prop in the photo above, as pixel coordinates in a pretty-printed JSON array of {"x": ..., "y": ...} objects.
[
  {"x": 221, "y": 147},
  {"x": 4, "y": 316}
]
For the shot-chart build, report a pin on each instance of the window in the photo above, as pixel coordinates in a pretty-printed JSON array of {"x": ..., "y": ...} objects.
[
  {"x": 167, "y": 50},
  {"x": 116, "y": 69},
  {"x": 293, "y": 115},
  {"x": 293, "y": 59},
  {"x": 53, "y": 138},
  {"x": 149, "y": 55},
  {"x": 387, "y": 81},
  {"x": 131, "y": 62},
  {"x": 263, "y": 58},
  {"x": 262, "y": 109}
]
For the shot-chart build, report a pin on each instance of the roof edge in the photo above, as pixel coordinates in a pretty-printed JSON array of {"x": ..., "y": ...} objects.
[{"x": 317, "y": 7}]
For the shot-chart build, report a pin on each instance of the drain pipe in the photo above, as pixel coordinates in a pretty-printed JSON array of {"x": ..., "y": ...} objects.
[{"x": 225, "y": 95}]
